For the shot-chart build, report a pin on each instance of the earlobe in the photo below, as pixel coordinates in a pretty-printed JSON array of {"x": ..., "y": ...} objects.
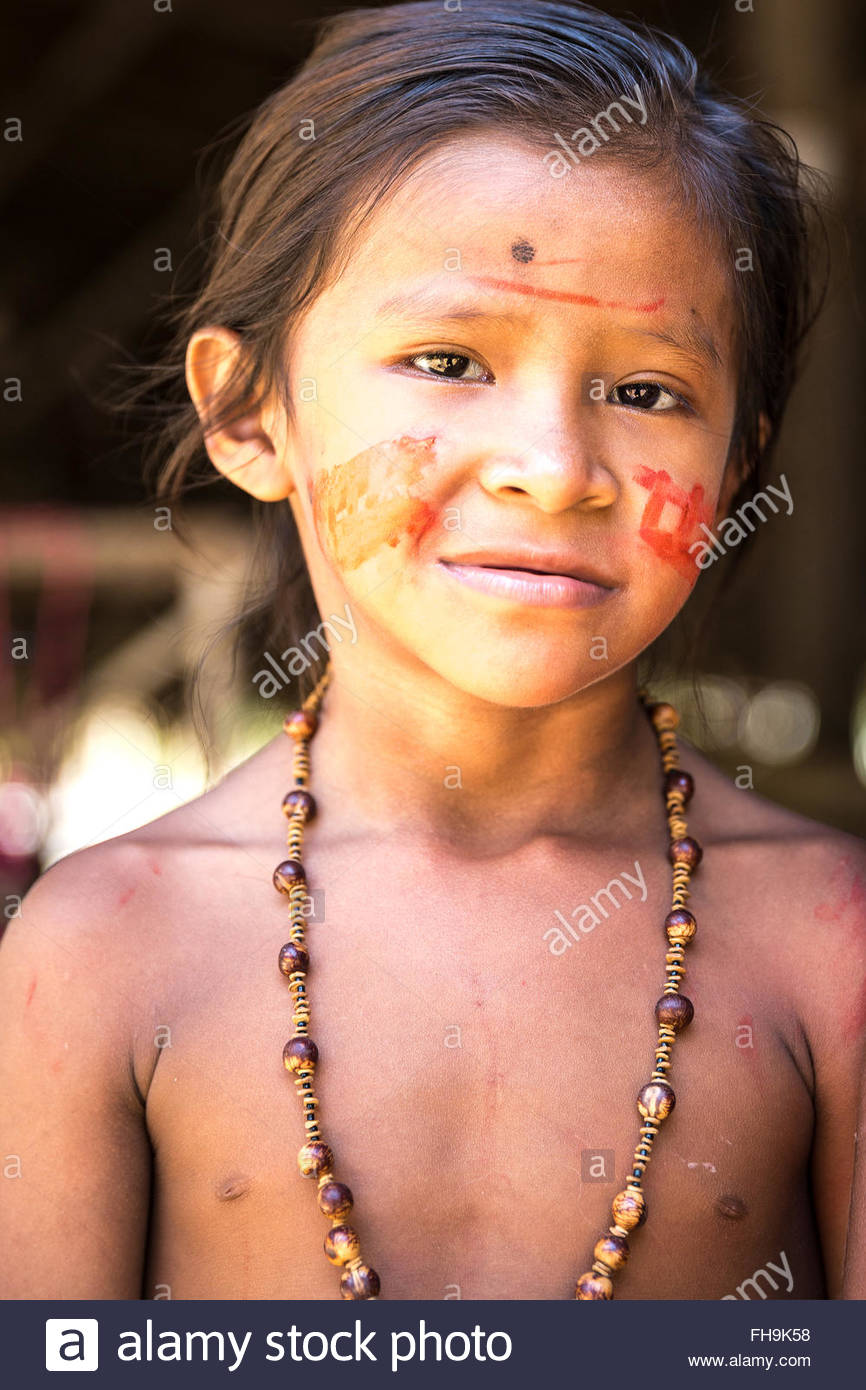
[{"x": 244, "y": 449}]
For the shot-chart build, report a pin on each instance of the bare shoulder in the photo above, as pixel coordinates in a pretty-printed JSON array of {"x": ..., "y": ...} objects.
[
  {"x": 80, "y": 956},
  {"x": 813, "y": 869},
  {"x": 800, "y": 885},
  {"x": 117, "y": 923}
]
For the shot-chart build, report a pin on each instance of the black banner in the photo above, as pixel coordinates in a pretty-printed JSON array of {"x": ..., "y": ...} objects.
[{"x": 413, "y": 1344}]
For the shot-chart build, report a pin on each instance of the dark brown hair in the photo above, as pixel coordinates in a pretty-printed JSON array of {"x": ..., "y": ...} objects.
[{"x": 383, "y": 87}]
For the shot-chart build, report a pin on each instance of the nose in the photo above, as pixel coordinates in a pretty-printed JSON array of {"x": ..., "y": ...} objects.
[{"x": 559, "y": 467}]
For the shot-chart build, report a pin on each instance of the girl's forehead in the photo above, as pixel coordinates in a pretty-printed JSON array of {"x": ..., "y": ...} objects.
[{"x": 491, "y": 205}]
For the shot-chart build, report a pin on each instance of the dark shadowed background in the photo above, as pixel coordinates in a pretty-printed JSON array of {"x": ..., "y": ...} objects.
[{"x": 108, "y": 107}]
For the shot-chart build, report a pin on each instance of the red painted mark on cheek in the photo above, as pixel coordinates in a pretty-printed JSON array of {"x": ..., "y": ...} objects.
[
  {"x": 564, "y": 297},
  {"x": 30, "y": 993},
  {"x": 125, "y": 897},
  {"x": 671, "y": 544},
  {"x": 372, "y": 500}
]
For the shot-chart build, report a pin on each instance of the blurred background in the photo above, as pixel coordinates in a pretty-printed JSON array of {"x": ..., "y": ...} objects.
[{"x": 108, "y": 106}]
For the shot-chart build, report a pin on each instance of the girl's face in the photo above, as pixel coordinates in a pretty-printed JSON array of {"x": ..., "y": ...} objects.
[{"x": 515, "y": 377}]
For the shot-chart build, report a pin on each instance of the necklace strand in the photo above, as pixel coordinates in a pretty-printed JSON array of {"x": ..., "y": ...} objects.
[{"x": 673, "y": 1012}]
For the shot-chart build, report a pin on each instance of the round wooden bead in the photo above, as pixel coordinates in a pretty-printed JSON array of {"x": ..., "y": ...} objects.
[
  {"x": 301, "y": 723},
  {"x": 675, "y": 1011},
  {"x": 686, "y": 851},
  {"x": 288, "y": 875},
  {"x": 342, "y": 1244},
  {"x": 593, "y": 1286},
  {"x": 629, "y": 1209},
  {"x": 680, "y": 926},
  {"x": 359, "y": 1282},
  {"x": 676, "y": 780},
  {"x": 315, "y": 1158},
  {"x": 612, "y": 1251},
  {"x": 299, "y": 800},
  {"x": 293, "y": 957},
  {"x": 663, "y": 716},
  {"x": 300, "y": 1054},
  {"x": 335, "y": 1199},
  {"x": 656, "y": 1100}
]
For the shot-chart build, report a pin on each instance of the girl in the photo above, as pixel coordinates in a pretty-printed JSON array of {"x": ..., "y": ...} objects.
[{"x": 480, "y": 331}]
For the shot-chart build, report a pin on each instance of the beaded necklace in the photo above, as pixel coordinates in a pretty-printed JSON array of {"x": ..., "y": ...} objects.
[{"x": 673, "y": 1012}]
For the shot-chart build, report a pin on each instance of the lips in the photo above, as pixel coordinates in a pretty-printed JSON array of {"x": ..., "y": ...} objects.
[
  {"x": 534, "y": 579},
  {"x": 549, "y": 564}
]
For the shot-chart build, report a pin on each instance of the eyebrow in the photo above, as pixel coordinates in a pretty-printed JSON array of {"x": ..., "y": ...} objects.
[
  {"x": 692, "y": 338},
  {"x": 440, "y": 306}
]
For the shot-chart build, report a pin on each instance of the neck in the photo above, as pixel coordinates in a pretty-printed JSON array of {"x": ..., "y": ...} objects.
[{"x": 483, "y": 778}]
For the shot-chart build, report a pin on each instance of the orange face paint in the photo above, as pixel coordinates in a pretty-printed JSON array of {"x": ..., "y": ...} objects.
[
  {"x": 671, "y": 543},
  {"x": 374, "y": 500}
]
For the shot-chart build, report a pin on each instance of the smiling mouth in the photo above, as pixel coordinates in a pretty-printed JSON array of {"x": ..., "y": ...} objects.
[
  {"x": 521, "y": 584},
  {"x": 547, "y": 574}
]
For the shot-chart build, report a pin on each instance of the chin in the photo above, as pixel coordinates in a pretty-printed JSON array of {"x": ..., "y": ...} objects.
[{"x": 534, "y": 683}]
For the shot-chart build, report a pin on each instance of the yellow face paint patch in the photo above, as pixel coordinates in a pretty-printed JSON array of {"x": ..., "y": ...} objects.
[{"x": 374, "y": 500}]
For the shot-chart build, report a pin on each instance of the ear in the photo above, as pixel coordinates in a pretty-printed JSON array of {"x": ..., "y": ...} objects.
[
  {"x": 736, "y": 471},
  {"x": 250, "y": 450}
]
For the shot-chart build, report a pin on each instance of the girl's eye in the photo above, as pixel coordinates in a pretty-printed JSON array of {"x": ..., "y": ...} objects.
[
  {"x": 647, "y": 396},
  {"x": 450, "y": 365}
]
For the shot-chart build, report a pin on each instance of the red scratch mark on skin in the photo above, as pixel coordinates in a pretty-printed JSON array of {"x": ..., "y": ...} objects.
[
  {"x": 855, "y": 1024},
  {"x": 372, "y": 501},
  {"x": 848, "y": 892},
  {"x": 540, "y": 292},
  {"x": 847, "y": 906},
  {"x": 155, "y": 869},
  {"x": 30, "y": 993},
  {"x": 672, "y": 546},
  {"x": 125, "y": 897}
]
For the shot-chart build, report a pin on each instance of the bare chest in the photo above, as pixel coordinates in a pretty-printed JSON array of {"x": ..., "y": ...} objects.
[{"x": 482, "y": 1044}]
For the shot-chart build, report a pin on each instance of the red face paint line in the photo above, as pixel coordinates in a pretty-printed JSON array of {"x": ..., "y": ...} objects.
[
  {"x": 672, "y": 544},
  {"x": 372, "y": 500},
  {"x": 30, "y": 993},
  {"x": 490, "y": 282}
]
